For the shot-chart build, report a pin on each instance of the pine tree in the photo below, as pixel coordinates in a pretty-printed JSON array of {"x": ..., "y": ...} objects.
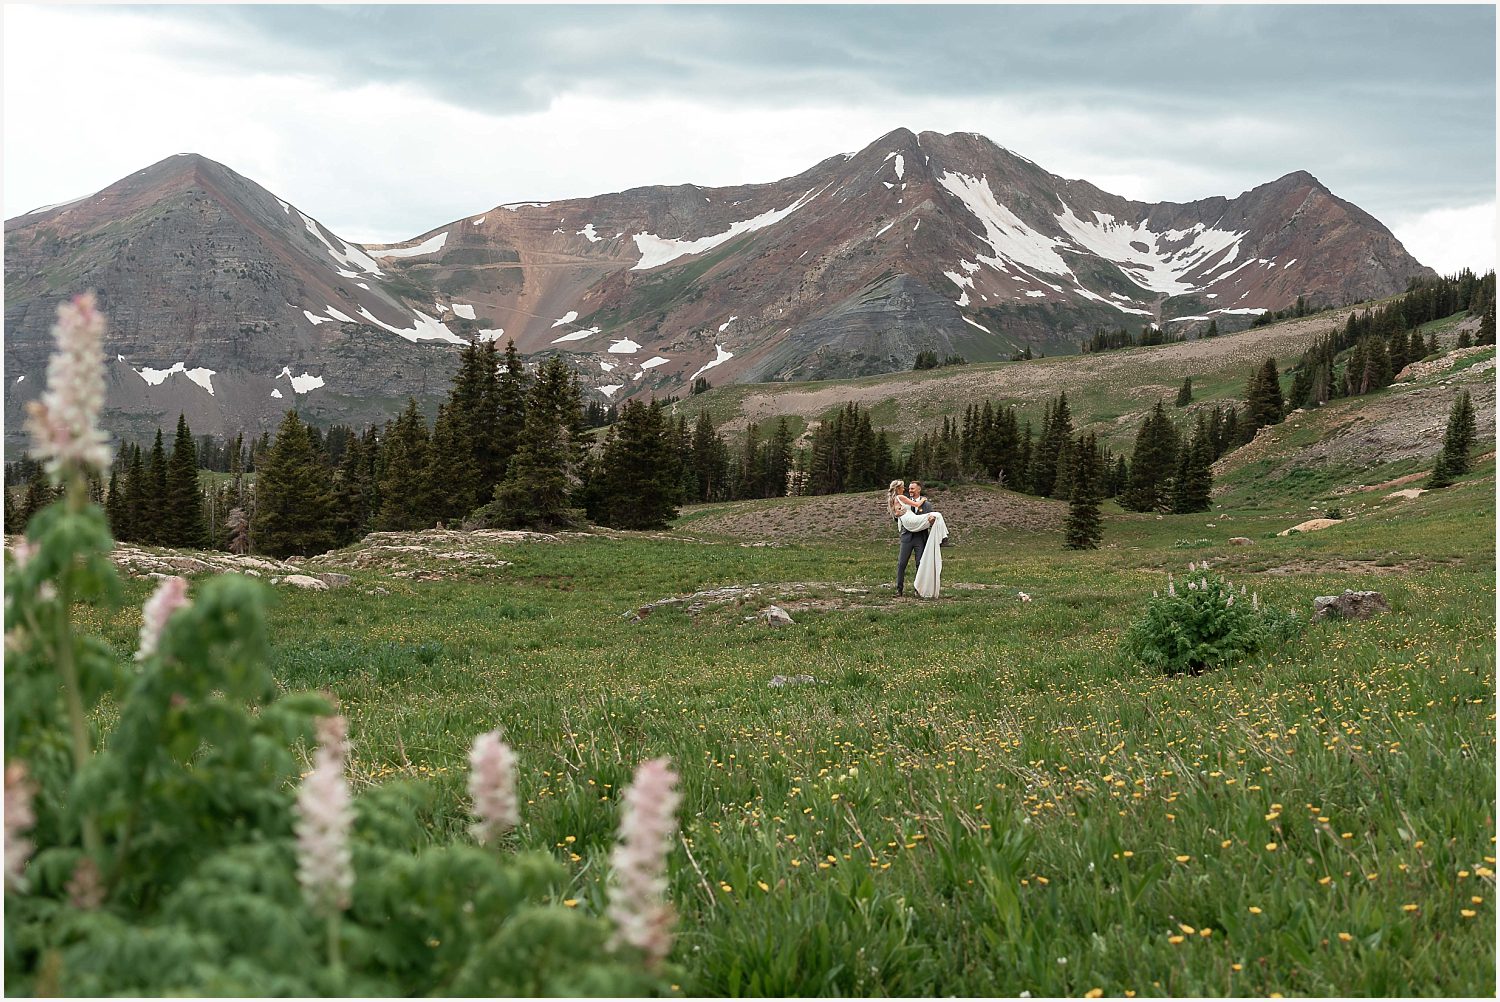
[
  {"x": 182, "y": 515},
  {"x": 510, "y": 393},
  {"x": 633, "y": 489},
  {"x": 1264, "y": 404},
  {"x": 1152, "y": 464},
  {"x": 405, "y": 485},
  {"x": 114, "y": 504},
  {"x": 453, "y": 468},
  {"x": 293, "y": 500},
  {"x": 1084, "y": 525},
  {"x": 1185, "y": 395},
  {"x": 549, "y": 458},
  {"x": 1194, "y": 486},
  {"x": 39, "y": 494},
  {"x": 1213, "y": 329},
  {"x": 353, "y": 495},
  {"x": 1453, "y": 461},
  {"x": 710, "y": 460},
  {"x": 135, "y": 498},
  {"x": 153, "y": 510},
  {"x": 1057, "y": 428},
  {"x": 776, "y": 460}
]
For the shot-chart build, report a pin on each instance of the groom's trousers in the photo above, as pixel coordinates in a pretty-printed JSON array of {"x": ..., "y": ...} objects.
[{"x": 911, "y": 542}]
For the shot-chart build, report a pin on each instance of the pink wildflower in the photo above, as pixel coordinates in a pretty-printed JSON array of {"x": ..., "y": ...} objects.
[
  {"x": 169, "y": 596},
  {"x": 22, "y": 552},
  {"x": 325, "y": 814},
  {"x": 19, "y": 819},
  {"x": 638, "y": 902},
  {"x": 64, "y": 423},
  {"x": 492, "y": 784}
]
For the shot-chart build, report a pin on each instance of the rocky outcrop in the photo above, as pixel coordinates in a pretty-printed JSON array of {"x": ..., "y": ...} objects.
[{"x": 1350, "y": 605}]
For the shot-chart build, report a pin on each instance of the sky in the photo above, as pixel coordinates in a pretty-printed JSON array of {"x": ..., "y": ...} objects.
[{"x": 384, "y": 122}]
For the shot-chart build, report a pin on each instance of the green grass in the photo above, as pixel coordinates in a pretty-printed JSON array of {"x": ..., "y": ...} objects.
[{"x": 979, "y": 796}]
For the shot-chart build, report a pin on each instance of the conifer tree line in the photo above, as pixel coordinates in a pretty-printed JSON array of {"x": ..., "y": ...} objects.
[
  {"x": 1372, "y": 347},
  {"x": 1103, "y": 340}
]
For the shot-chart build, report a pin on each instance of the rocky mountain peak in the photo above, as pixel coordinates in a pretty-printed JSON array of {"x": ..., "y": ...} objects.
[{"x": 231, "y": 305}]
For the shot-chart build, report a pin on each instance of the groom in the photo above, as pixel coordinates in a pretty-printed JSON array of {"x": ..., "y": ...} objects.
[{"x": 913, "y": 541}]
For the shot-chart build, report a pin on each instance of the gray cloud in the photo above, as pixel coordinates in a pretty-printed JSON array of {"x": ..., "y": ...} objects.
[
  {"x": 1395, "y": 81},
  {"x": 1393, "y": 107}
]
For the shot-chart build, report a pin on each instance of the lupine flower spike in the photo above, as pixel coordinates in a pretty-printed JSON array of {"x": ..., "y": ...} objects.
[
  {"x": 64, "y": 423},
  {"x": 325, "y": 814},
  {"x": 492, "y": 785},
  {"x": 18, "y": 820},
  {"x": 638, "y": 902},
  {"x": 170, "y": 596}
]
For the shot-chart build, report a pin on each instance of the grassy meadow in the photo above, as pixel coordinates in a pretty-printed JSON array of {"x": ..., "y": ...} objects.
[{"x": 979, "y": 795}]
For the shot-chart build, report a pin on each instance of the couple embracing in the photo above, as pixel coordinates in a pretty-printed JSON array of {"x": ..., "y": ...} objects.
[{"x": 920, "y": 525}]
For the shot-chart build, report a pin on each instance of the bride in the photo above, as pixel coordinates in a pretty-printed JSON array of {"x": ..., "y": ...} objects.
[{"x": 916, "y": 515}]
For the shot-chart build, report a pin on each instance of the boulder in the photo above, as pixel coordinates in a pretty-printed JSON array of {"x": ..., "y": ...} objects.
[
  {"x": 775, "y": 615},
  {"x": 1350, "y": 605},
  {"x": 333, "y": 580},
  {"x": 1311, "y": 525},
  {"x": 780, "y": 681},
  {"x": 1241, "y": 541},
  {"x": 303, "y": 581}
]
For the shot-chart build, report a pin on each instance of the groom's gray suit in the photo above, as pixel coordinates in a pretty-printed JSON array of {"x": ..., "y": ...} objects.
[{"x": 910, "y": 542}]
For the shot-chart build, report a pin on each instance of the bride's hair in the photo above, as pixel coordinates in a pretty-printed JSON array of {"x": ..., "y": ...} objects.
[{"x": 892, "y": 506}]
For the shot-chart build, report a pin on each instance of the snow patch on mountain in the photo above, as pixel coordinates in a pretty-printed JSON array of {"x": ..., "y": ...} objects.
[
  {"x": 566, "y": 318},
  {"x": 490, "y": 334},
  {"x": 900, "y": 167},
  {"x": 351, "y": 255},
  {"x": 608, "y": 366},
  {"x": 429, "y": 246},
  {"x": 657, "y": 251},
  {"x": 155, "y": 377},
  {"x": 726, "y": 324},
  {"x": 588, "y": 231},
  {"x": 610, "y": 391},
  {"x": 300, "y": 384},
  {"x": 476, "y": 222},
  {"x": 275, "y": 394},
  {"x": 425, "y": 329},
  {"x": 463, "y": 310},
  {"x": 1009, "y": 237},
  {"x": 963, "y": 299},
  {"x": 723, "y": 356},
  {"x": 624, "y": 346},
  {"x": 976, "y": 323},
  {"x": 577, "y": 335},
  {"x": 652, "y": 363},
  {"x": 1161, "y": 267}
]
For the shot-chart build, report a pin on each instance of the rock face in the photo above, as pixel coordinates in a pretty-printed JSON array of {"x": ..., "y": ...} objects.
[
  {"x": 1350, "y": 605},
  {"x": 230, "y": 305}
]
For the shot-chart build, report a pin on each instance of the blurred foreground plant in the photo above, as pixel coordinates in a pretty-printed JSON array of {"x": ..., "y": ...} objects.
[{"x": 176, "y": 853}]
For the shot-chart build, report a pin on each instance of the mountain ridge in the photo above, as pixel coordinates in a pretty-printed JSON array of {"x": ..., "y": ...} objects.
[{"x": 917, "y": 242}]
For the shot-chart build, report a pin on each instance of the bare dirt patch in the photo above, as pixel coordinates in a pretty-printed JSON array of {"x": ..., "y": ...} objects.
[{"x": 862, "y": 516}]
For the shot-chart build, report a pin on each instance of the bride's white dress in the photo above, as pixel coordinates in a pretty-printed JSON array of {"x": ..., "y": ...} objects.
[{"x": 929, "y": 579}]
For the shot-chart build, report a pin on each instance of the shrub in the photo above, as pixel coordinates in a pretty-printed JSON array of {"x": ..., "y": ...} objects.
[{"x": 1204, "y": 624}]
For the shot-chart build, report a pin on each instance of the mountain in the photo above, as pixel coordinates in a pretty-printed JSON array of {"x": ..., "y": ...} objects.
[{"x": 231, "y": 305}]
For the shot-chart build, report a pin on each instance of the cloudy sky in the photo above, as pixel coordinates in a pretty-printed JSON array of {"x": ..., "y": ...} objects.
[{"x": 386, "y": 121}]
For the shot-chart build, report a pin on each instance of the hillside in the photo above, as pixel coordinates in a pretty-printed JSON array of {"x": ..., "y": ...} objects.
[{"x": 1110, "y": 392}]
